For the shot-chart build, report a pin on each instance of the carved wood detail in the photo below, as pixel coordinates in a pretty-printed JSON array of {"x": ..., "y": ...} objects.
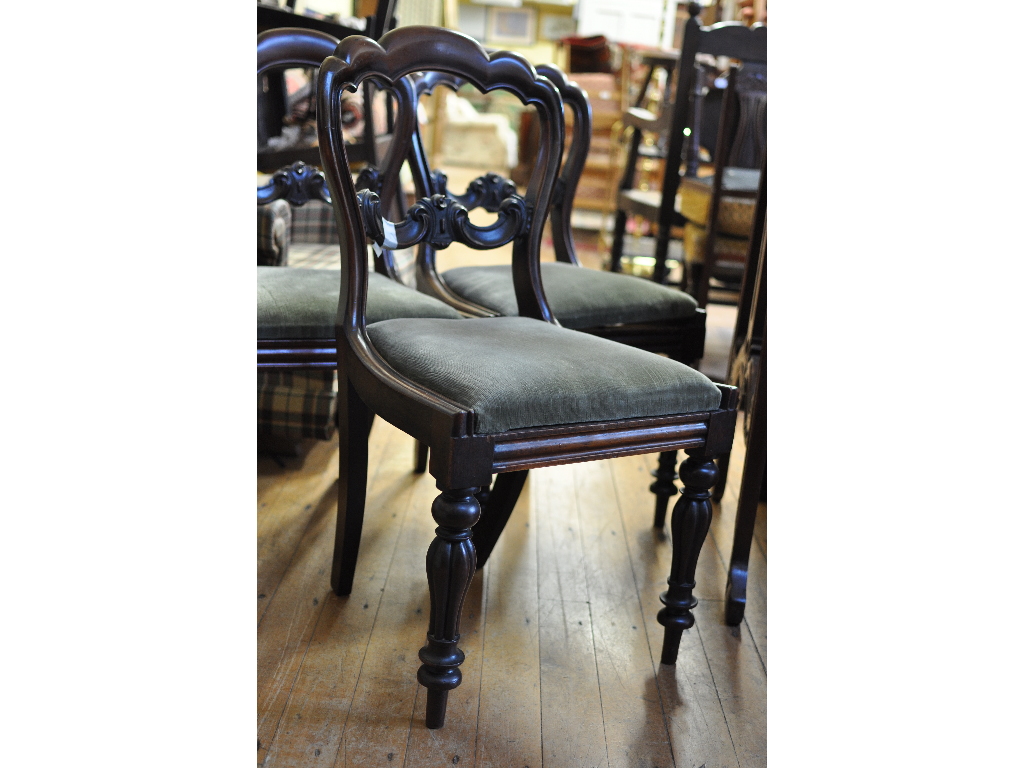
[{"x": 451, "y": 562}]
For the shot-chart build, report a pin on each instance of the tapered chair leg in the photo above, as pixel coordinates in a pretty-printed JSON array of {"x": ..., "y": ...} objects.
[
  {"x": 354, "y": 420},
  {"x": 422, "y": 450},
  {"x": 755, "y": 463},
  {"x": 618, "y": 242},
  {"x": 691, "y": 519},
  {"x": 451, "y": 561},
  {"x": 723, "y": 476},
  {"x": 496, "y": 509},
  {"x": 664, "y": 487}
]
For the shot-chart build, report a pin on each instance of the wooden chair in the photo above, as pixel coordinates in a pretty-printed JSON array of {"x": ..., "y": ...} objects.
[
  {"x": 720, "y": 209},
  {"x": 731, "y": 39},
  {"x": 754, "y": 377},
  {"x": 296, "y": 308},
  {"x": 368, "y": 147},
  {"x": 748, "y": 333},
  {"x": 621, "y": 308},
  {"x": 500, "y": 394}
]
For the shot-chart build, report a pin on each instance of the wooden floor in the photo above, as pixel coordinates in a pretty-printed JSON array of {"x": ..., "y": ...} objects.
[{"x": 559, "y": 628}]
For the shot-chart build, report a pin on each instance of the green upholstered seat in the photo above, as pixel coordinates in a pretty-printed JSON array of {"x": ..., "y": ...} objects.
[
  {"x": 579, "y": 297},
  {"x": 515, "y": 372},
  {"x": 302, "y": 303}
]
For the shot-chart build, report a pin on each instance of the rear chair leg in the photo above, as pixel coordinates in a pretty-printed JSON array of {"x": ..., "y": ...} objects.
[
  {"x": 421, "y": 457},
  {"x": 451, "y": 561},
  {"x": 691, "y": 519},
  {"x": 664, "y": 487},
  {"x": 354, "y": 420}
]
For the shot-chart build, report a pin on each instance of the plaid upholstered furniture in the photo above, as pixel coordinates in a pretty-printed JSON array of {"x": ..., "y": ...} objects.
[{"x": 295, "y": 405}]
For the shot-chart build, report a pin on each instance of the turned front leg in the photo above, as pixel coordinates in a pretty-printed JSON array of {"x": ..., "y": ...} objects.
[
  {"x": 691, "y": 518},
  {"x": 451, "y": 562}
]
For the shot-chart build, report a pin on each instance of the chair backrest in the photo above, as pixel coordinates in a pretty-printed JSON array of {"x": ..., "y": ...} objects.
[
  {"x": 731, "y": 39},
  {"x": 490, "y": 190},
  {"x": 298, "y": 183},
  {"x": 438, "y": 220}
]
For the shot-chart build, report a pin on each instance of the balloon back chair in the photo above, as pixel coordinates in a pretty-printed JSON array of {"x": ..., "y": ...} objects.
[
  {"x": 296, "y": 308},
  {"x": 623, "y": 308},
  {"x": 500, "y": 394}
]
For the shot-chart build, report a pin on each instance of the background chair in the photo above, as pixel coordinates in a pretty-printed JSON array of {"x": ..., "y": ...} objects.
[
  {"x": 621, "y": 308},
  {"x": 754, "y": 378},
  {"x": 273, "y": 111},
  {"x": 296, "y": 348},
  {"x": 730, "y": 39},
  {"x": 501, "y": 394},
  {"x": 719, "y": 209}
]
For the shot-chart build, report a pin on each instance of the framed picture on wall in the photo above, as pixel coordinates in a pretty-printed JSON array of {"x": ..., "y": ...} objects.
[{"x": 511, "y": 26}]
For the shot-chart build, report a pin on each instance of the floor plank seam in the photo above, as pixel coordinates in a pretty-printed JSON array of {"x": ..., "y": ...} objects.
[
  {"x": 291, "y": 559},
  {"x": 485, "y": 576},
  {"x": 750, "y": 632},
  {"x": 369, "y": 635},
  {"x": 643, "y": 616},
  {"x": 298, "y": 671},
  {"x": 540, "y": 647},
  {"x": 412, "y": 723},
  {"x": 718, "y": 695}
]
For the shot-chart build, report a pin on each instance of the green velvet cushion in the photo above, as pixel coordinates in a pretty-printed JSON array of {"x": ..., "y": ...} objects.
[
  {"x": 514, "y": 372},
  {"x": 302, "y": 303},
  {"x": 579, "y": 297}
]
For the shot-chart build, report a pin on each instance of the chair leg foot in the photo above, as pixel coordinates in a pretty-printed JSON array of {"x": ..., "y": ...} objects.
[
  {"x": 691, "y": 519},
  {"x": 735, "y": 596},
  {"x": 664, "y": 486},
  {"x": 437, "y": 706},
  {"x": 451, "y": 562}
]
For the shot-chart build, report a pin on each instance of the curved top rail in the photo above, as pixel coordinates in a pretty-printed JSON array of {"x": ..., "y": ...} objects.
[{"x": 293, "y": 47}]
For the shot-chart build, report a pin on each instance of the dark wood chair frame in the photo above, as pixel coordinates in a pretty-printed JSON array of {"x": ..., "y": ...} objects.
[
  {"x": 461, "y": 461},
  {"x": 682, "y": 340},
  {"x": 298, "y": 183},
  {"x": 732, "y": 39},
  {"x": 368, "y": 148},
  {"x": 755, "y": 463}
]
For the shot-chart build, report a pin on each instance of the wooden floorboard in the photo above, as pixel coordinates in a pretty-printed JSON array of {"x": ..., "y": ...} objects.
[{"x": 559, "y": 629}]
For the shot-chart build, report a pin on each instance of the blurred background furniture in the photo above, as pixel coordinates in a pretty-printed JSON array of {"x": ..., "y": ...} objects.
[
  {"x": 658, "y": 207},
  {"x": 719, "y": 209}
]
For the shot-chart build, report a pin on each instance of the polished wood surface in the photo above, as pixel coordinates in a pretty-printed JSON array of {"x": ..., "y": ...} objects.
[{"x": 559, "y": 628}]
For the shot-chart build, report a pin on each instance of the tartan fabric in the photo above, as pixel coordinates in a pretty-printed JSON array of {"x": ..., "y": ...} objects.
[
  {"x": 274, "y": 221},
  {"x": 314, "y": 223},
  {"x": 297, "y": 404}
]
